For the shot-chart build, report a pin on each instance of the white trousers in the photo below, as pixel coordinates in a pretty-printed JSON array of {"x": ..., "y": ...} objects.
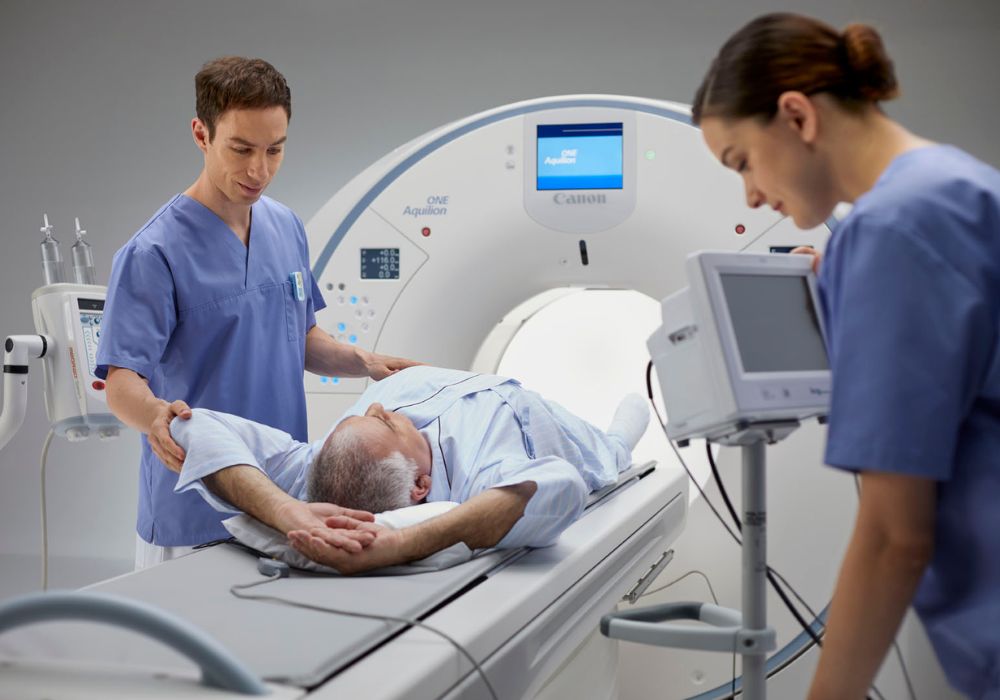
[{"x": 147, "y": 554}]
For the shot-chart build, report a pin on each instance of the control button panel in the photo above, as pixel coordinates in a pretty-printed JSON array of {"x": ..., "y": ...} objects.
[{"x": 90, "y": 327}]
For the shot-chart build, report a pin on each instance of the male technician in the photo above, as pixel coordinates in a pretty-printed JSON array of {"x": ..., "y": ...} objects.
[{"x": 212, "y": 304}]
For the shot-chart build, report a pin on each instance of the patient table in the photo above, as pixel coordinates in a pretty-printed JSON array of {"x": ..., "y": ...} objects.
[{"x": 523, "y": 614}]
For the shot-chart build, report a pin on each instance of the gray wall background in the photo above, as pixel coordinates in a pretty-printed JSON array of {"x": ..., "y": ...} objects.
[{"x": 97, "y": 98}]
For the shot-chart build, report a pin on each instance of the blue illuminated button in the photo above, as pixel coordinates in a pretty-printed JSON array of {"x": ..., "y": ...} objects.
[
  {"x": 323, "y": 379},
  {"x": 354, "y": 300},
  {"x": 341, "y": 327},
  {"x": 336, "y": 380},
  {"x": 353, "y": 338}
]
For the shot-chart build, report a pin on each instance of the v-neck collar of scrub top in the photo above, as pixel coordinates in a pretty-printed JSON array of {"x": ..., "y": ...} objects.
[{"x": 213, "y": 225}]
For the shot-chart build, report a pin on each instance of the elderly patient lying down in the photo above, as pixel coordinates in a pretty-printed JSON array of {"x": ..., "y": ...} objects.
[{"x": 520, "y": 466}]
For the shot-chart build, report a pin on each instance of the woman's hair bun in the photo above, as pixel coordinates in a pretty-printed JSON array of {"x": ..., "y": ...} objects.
[{"x": 870, "y": 69}]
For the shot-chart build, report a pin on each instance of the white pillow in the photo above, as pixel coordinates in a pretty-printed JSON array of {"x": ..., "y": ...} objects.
[{"x": 259, "y": 536}]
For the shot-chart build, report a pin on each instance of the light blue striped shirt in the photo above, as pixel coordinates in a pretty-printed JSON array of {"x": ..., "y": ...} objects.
[{"x": 484, "y": 431}]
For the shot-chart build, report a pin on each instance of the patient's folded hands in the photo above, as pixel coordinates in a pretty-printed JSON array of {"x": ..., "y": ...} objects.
[
  {"x": 324, "y": 545},
  {"x": 344, "y": 528}
]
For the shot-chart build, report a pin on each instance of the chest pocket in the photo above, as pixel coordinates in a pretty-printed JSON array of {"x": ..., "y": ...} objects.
[
  {"x": 248, "y": 319},
  {"x": 295, "y": 313}
]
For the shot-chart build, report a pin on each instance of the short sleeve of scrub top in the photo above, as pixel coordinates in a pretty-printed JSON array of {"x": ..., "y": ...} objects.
[
  {"x": 909, "y": 340},
  {"x": 911, "y": 335},
  {"x": 141, "y": 281}
]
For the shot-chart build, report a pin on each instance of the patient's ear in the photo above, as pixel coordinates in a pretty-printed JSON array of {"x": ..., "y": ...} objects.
[{"x": 421, "y": 487}]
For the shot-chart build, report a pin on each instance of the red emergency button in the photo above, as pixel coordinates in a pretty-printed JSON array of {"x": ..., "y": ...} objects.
[
  {"x": 98, "y": 385},
  {"x": 426, "y": 231}
]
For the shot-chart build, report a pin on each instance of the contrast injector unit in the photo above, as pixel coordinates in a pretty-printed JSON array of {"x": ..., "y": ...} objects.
[
  {"x": 68, "y": 325},
  {"x": 70, "y": 315}
]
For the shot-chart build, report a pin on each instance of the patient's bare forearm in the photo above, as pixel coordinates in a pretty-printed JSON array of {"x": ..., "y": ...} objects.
[
  {"x": 252, "y": 492},
  {"x": 480, "y": 522}
]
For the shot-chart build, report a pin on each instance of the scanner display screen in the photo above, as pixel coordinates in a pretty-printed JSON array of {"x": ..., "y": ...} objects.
[
  {"x": 775, "y": 324},
  {"x": 580, "y": 156},
  {"x": 380, "y": 263}
]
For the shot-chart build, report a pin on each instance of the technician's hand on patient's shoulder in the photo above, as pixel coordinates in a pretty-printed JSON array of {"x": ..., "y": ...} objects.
[
  {"x": 382, "y": 366},
  {"x": 162, "y": 444},
  {"x": 809, "y": 250}
]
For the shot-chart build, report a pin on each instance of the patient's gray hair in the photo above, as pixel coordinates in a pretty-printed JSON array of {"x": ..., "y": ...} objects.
[{"x": 346, "y": 472}]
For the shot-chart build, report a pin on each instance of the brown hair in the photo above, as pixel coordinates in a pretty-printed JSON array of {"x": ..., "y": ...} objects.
[
  {"x": 234, "y": 82},
  {"x": 783, "y": 52}
]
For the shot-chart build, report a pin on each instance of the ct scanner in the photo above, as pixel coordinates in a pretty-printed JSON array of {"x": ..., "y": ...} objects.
[{"x": 441, "y": 251}]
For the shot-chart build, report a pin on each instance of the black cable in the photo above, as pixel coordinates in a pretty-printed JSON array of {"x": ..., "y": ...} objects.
[
  {"x": 816, "y": 639},
  {"x": 795, "y": 593},
  {"x": 722, "y": 489}
]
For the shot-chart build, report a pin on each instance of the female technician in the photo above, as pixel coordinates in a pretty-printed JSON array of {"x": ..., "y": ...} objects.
[{"x": 910, "y": 289}]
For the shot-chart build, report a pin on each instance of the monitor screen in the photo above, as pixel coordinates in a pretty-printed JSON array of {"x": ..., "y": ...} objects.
[
  {"x": 774, "y": 321},
  {"x": 580, "y": 156}
]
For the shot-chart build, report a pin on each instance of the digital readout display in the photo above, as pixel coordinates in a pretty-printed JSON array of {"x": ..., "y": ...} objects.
[{"x": 380, "y": 263}]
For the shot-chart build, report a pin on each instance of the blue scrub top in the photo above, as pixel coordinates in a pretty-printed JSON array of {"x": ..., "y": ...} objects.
[
  {"x": 214, "y": 323},
  {"x": 910, "y": 288}
]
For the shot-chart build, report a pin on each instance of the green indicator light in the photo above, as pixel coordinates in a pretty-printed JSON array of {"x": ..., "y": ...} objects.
[{"x": 650, "y": 154}]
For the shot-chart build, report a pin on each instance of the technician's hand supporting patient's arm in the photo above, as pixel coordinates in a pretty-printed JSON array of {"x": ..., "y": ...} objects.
[
  {"x": 480, "y": 522},
  {"x": 252, "y": 492},
  {"x": 327, "y": 357},
  {"x": 891, "y": 546},
  {"x": 132, "y": 402}
]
